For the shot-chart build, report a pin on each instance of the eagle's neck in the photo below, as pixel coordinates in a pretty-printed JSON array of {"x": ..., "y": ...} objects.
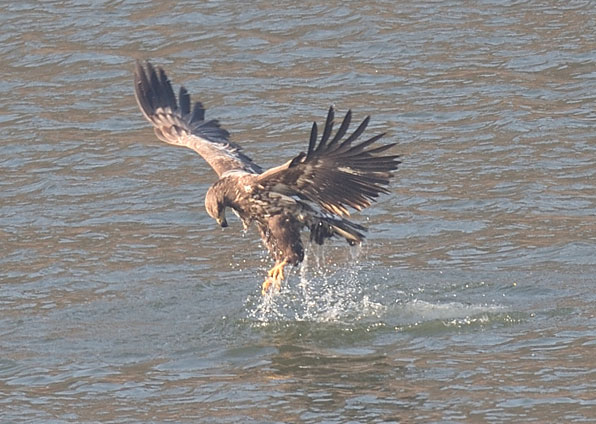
[
  {"x": 221, "y": 191},
  {"x": 228, "y": 193}
]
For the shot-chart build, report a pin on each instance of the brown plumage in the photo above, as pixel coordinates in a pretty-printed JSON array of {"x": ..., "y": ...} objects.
[{"x": 312, "y": 190}]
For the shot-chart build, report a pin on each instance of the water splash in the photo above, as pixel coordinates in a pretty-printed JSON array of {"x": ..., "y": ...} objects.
[
  {"x": 323, "y": 289},
  {"x": 341, "y": 286}
]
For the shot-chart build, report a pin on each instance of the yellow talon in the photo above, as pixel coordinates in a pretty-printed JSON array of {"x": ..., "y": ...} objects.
[
  {"x": 275, "y": 277},
  {"x": 277, "y": 271},
  {"x": 268, "y": 283}
]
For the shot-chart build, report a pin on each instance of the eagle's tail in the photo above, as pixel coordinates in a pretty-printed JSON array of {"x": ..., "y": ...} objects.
[{"x": 328, "y": 227}]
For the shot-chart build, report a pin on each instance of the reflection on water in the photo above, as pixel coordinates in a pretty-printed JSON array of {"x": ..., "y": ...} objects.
[{"x": 472, "y": 299}]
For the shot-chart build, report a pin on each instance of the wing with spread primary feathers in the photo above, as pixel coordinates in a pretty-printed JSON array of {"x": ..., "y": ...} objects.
[
  {"x": 175, "y": 122},
  {"x": 336, "y": 173}
]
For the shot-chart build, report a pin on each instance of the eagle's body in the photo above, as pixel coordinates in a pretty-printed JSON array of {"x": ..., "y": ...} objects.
[
  {"x": 309, "y": 191},
  {"x": 278, "y": 217}
]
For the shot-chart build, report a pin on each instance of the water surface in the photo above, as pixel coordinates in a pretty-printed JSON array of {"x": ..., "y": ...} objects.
[{"x": 471, "y": 301}]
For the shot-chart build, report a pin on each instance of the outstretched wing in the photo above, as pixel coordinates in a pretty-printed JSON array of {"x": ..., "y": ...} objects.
[
  {"x": 336, "y": 173},
  {"x": 176, "y": 124}
]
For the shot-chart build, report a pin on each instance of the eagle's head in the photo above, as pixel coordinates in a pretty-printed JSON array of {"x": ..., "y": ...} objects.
[{"x": 215, "y": 206}]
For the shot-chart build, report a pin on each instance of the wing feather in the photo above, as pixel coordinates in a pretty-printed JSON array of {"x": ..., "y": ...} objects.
[
  {"x": 198, "y": 112},
  {"x": 313, "y": 139},
  {"x": 336, "y": 174},
  {"x": 184, "y": 99},
  {"x": 346, "y": 144},
  {"x": 343, "y": 128},
  {"x": 327, "y": 130},
  {"x": 174, "y": 123}
]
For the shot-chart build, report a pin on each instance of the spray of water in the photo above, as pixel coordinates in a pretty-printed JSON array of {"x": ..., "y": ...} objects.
[
  {"x": 341, "y": 286},
  {"x": 320, "y": 290}
]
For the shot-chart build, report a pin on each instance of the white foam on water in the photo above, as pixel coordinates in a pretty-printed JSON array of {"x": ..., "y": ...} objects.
[{"x": 449, "y": 313}]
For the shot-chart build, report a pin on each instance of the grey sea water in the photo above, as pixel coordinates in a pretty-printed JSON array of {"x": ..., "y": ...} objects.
[{"x": 472, "y": 299}]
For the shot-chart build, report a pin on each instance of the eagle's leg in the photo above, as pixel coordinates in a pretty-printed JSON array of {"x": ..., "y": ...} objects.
[{"x": 275, "y": 277}]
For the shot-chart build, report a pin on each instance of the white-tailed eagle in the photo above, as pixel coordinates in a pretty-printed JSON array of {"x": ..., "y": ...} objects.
[{"x": 313, "y": 190}]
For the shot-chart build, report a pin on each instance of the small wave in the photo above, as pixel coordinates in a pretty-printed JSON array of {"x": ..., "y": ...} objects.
[
  {"x": 420, "y": 310},
  {"x": 423, "y": 316}
]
